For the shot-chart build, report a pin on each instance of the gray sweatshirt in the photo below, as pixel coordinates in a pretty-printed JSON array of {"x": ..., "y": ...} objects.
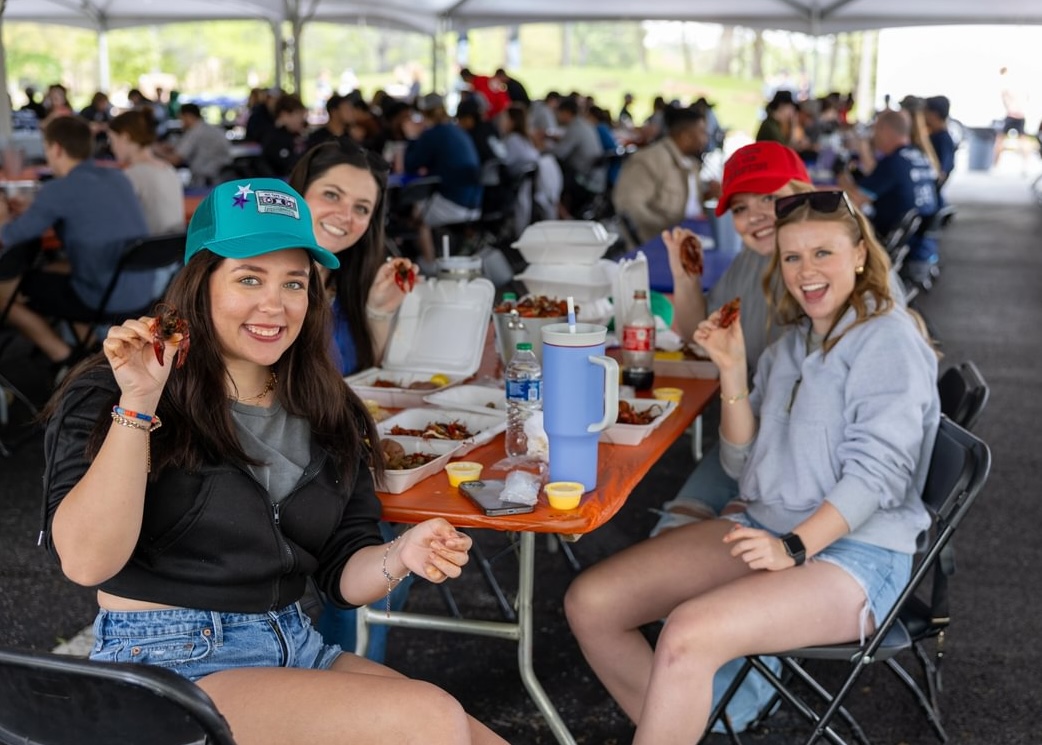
[{"x": 854, "y": 427}]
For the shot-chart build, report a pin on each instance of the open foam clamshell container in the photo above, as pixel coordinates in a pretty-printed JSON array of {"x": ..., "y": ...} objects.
[
  {"x": 396, "y": 481},
  {"x": 440, "y": 330},
  {"x": 483, "y": 427},
  {"x": 634, "y": 434},
  {"x": 564, "y": 242}
]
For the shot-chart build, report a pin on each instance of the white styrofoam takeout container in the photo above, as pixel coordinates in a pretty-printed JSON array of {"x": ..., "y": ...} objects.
[
  {"x": 564, "y": 242},
  {"x": 585, "y": 283},
  {"x": 468, "y": 397},
  {"x": 440, "y": 329},
  {"x": 483, "y": 426},
  {"x": 398, "y": 480},
  {"x": 634, "y": 434}
]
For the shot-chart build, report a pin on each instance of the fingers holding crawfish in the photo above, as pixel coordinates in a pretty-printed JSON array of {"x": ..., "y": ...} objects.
[
  {"x": 169, "y": 326},
  {"x": 404, "y": 275}
]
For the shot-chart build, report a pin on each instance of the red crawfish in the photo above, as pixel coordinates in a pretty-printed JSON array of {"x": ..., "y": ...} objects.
[
  {"x": 163, "y": 327},
  {"x": 404, "y": 275}
]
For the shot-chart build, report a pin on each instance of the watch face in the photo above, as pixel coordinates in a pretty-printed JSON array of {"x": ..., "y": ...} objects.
[{"x": 793, "y": 545}]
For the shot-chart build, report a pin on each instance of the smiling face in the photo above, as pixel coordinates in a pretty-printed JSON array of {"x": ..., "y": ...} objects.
[
  {"x": 819, "y": 262},
  {"x": 753, "y": 216},
  {"x": 258, "y": 306},
  {"x": 342, "y": 201}
]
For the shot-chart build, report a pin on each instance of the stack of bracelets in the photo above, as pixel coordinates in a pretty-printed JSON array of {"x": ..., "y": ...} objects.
[{"x": 136, "y": 420}]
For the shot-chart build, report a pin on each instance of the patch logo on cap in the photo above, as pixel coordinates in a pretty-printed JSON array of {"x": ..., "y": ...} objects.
[{"x": 278, "y": 203}]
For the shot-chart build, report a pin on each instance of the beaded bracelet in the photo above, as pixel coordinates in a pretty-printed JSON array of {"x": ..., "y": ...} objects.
[
  {"x": 143, "y": 422},
  {"x": 734, "y": 399},
  {"x": 391, "y": 579}
]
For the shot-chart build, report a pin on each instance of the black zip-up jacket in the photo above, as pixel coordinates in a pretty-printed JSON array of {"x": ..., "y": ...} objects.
[{"x": 214, "y": 539}]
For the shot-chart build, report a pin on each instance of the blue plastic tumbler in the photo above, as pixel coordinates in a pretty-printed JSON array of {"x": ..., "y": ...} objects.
[{"x": 580, "y": 398}]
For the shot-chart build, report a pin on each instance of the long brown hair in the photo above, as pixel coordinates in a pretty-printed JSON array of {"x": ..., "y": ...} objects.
[
  {"x": 872, "y": 284},
  {"x": 197, "y": 421},
  {"x": 359, "y": 263}
]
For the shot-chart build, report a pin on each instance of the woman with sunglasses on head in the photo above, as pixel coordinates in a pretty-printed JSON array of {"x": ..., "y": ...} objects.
[
  {"x": 199, "y": 487},
  {"x": 345, "y": 186},
  {"x": 831, "y": 444}
]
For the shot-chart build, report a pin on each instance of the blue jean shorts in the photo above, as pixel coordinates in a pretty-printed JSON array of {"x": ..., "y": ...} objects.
[
  {"x": 196, "y": 643},
  {"x": 881, "y": 572}
]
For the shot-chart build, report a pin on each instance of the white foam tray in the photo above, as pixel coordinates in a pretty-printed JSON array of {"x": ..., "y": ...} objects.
[
  {"x": 634, "y": 434},
  {"x": 397, "y": 481},
  {"x": 440, "y": 329},
  {"x": 477, "y": 398},
  {"x": 484, "y": 426},
  {"x": 584, "y": 282},
  {"x": 564, "y": 242}
]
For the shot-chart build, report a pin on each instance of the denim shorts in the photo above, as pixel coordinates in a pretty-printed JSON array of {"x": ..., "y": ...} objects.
[
  {"x": 196, "y": 643},
  {"x": 881, "y": 572}
]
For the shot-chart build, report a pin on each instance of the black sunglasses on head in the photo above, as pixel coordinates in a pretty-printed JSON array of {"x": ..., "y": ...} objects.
[{"x": 824, "y": 202}]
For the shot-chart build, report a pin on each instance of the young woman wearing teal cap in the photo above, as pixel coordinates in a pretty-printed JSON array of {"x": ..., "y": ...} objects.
[{"x": 199, "y": 499}]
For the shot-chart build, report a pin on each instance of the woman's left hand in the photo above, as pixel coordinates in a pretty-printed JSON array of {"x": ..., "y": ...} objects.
[
  {"x": 759, "y": 549},
  {"x": 434, "y": 550},
  {"x": 387, "y": 294}
]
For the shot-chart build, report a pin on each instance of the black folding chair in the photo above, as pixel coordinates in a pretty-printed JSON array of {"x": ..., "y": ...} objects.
[
  {"x": 959, "y": 468},
  {"x": 50, "y": 699},
  {"x": 150, "y": 254},
  {"x": 896, "y": 241},
  {"x": 10, "y": 394},
  {"x": 964, "y": 394}
]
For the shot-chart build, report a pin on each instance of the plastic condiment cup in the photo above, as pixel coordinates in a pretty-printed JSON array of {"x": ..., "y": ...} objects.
[
  {"x": 669, "y": 394},
  {"x": 564, "y": 495},
  {"x": 462, "y": 470}
]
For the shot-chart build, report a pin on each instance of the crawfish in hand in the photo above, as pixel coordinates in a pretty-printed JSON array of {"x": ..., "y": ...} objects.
[
  {"x": 404, "y": 275},
  {"x": 164, "y": 327}
]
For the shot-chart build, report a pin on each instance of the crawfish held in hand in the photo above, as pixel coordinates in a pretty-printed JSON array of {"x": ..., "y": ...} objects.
[
  {"x": 404, "y": 276},
  {"x": 163, "y": 328}
]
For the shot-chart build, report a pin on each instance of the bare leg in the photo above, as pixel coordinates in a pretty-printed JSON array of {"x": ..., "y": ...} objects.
[
  {"x": 763, "y": 612},
  {"x": 608, "y": 603},
  {"x": 356, "y": 701},
  {"x": 32, "y": 326}
]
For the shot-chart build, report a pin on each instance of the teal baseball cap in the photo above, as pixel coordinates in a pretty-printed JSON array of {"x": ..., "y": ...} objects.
[{"x": 250, "y": 217}]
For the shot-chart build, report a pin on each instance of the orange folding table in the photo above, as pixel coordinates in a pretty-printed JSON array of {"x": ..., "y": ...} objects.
[{"x": 620, "y": 469}]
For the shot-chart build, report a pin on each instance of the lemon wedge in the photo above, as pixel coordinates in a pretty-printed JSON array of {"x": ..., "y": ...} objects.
[{"x": 440, "y": 379}]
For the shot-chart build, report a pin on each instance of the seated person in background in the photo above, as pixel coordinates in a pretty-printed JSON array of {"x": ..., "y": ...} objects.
[
  {"x": 579, "y": 152},
  {"x": 601, "y": 121},
  {"x": 156, "y": 183},
  {"x": 515, "y": 88},
  {"x": 260, "y": 120},
  {"x": 285, "y": 143},
  {"x": 98, "y": 114},
  {"x": 364, "y": 125},
  {"x": 625, "y": 114},
  {"x": 542, "y": 120},
  {"x": 541, "y": 202},
  {"x": 780, "y": 122},
  {"x": 202, "y": 148},
  {"x": 439, "y": 147},
  {"x": 338, "y": 120},
  {"x": 259, "y": 415},
  {"x": 95, "y": 214},
  {"x": 832, "y": 448},
  {"x": 936, "y": 114},
  {"x": 492, "y": 90},
  {"x": 482, "y": 133},
  {"x": 659, "y": 185},
  {"x": 901, "y": 180}
]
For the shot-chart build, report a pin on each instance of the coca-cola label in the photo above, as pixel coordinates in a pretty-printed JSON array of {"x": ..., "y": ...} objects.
[{"x": 638, "y": 338}]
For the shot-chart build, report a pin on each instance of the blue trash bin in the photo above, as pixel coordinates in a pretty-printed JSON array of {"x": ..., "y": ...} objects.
[{"x": 982, "y": 147}]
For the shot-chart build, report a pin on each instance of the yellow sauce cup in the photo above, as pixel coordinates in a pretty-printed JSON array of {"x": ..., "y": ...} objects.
[
  {"x": 669, "y": 394},
  {"x": 462, "y": 470},
  {"x": 564, "y": 495}
]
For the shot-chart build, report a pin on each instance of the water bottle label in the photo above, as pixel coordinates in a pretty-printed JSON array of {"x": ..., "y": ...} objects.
[
  {"x": 524, "y": 390},
  {"x": 638, "y": 338}
]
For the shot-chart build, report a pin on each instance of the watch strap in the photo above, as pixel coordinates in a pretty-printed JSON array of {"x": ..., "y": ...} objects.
[{"x": 794, "y": 547}]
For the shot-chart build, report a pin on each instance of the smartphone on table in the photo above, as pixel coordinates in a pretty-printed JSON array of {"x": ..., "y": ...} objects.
[{"x": 486, "y": 495}]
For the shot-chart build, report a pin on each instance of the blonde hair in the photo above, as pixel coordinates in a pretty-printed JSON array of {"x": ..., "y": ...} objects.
[{"x": 873, "y": 282}]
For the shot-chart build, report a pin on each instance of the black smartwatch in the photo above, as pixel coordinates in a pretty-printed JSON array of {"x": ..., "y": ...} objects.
[{"x": 794, "y": 547}]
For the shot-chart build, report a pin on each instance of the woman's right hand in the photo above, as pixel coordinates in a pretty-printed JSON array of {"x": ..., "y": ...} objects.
[
  {"x": 725, "y": 346},
  {"x": 130, "y": 351}
]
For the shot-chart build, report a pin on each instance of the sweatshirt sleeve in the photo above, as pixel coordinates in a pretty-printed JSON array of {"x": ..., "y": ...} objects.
[{"x": 890, "y": 390}]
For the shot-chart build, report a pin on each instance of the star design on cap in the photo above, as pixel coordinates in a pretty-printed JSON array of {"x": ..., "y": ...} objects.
[{"x": 242, "y": 195}]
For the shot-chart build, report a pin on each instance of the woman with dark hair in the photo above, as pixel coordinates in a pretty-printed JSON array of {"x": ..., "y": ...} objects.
[
  {"x": 345, "y": 187},
  {"x": 831, "y": 445},
  {"x": 156, "y": 183},
  {"x": 200, "y": 537}
]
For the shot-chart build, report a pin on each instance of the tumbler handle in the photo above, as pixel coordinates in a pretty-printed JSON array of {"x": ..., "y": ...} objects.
[{"x": 611, "y": 392}]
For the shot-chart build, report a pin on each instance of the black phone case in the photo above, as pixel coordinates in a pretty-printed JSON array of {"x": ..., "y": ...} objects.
[{"x": 485, "y": 494}]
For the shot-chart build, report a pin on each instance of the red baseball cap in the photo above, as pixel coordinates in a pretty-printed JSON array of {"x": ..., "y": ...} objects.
[{"x": 759, "y": 168}]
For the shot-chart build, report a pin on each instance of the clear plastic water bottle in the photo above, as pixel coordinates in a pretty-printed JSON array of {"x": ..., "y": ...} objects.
[
  {"x": 524, "y": 379},
  {"x": 638, "y": 344}
]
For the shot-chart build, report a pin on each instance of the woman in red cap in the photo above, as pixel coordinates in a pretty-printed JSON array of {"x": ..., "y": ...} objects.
[{"x": 754, "y": 176}]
